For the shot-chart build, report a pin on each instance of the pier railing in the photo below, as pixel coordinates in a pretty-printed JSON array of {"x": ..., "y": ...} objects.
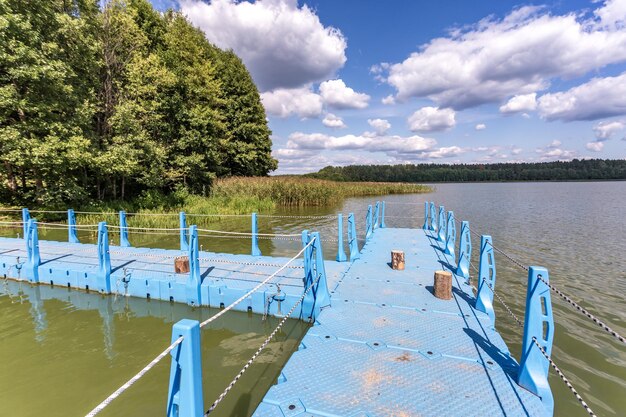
[{"x": 538, "y": 322}]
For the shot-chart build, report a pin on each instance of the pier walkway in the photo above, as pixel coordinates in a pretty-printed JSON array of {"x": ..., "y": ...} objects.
[
  {"x": 388, "y": 347},
  {"x": 381, "y": 343}
]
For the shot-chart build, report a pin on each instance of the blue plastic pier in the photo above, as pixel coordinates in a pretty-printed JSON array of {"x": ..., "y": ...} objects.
[
  {"x": 149, "y": 273},
  {"x": 388, "y": 347}
]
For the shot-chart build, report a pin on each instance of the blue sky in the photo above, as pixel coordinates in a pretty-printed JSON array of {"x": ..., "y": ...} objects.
[{"x": 357, "y": 82}]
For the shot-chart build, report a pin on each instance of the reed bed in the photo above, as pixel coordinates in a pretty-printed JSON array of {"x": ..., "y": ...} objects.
[
  {"x": 228, "y": 196},
  {"x": 301, "y": 192}
]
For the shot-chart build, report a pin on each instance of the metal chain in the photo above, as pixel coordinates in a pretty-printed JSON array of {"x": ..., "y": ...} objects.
[
  {"x": 134, "y": 379},
  {"x": 260, "y": 349},
  {"x": 583, "y": 311},
  {"x": 564, "y": 379},
  {"x": 519, "y": 322}
]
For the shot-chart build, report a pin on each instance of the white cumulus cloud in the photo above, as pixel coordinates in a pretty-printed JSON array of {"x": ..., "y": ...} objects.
[
  {"x": 520, "y": 103},
  {"x": 480, "y": 126},
  {"x": 336, "y": 94},
  {"x": 283, "y": 45},
  {"x": 594, "y": 146},
  {"x": 517, "y": 55},
  {"x": 380, "y": 126},
  {"x": 301, "y": 102},
  {"x": 336, "y": 122},
  {"x": 431, "y": 119},
  {"x": 389, "y": 100},
  {"x": 595, "y": 99},
  {"x": 605, "y": 130}
]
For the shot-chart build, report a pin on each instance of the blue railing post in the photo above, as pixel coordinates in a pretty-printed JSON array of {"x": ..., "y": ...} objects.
[
  {"x": 441, "y": 225},
  {"x": 382, "y": 217},
  {"x": 309, "y": 300},
  {"x": 184, "y": 243},
  {"x": 192, "y": 286},
  {"x": 486, "y": 278},
  {"x": 465, "y": 251},
  {"x": 433, "y": 217},
  {"x": 368, "y": 223},
  {"x": 376, "y": 216},
  {"x": 123, "y": 230},
  {"x": 184, "y": 397},
  {"x": 426, "y": 226},
  {"x": 538, "y": 325},
  {"x": 341, "y": 254},
  {"x": 32, "y": 251},
  {"x": 255, "y": 238},
  {"x": 25, "y": 219},
  {"x": 317, "y": 271},
  {"x": 451, "y": 236},
  {"x": 72, "y": 237},
  {"x": 104, "y": 259},
  {"x": 353, "y": 241}
]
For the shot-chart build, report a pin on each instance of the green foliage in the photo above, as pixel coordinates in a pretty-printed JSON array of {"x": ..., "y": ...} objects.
[
  {"x": 119, "y": 102},
  {"x": 300, "y": 191},
  {"x": 586, "y": 169}
]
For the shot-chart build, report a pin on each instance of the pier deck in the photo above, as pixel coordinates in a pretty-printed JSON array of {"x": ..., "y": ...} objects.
[
  {"x": 388, "y": 347},
  {"x": 149, "y": 273}
]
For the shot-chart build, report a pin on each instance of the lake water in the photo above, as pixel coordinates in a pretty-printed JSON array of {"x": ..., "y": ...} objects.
[{"x": 64, "y": 351}]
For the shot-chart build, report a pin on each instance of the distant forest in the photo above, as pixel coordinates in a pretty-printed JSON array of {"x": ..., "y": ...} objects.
[
  {"x": 108, "y": 100},
  {"x": 576, "y": 170}
]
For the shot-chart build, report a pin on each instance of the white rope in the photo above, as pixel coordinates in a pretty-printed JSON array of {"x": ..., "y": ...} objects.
[
  {"x": 248, "y": 233},
  {"x": 260, "y": 349},
  {"x": 265, "y": 281},
  {"x": 134, "y": 379}
]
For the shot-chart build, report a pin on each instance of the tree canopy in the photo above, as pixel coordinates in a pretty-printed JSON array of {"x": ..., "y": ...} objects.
[
  {"x": 586, "y": 169},
  {"x": 107, "y": 103}
]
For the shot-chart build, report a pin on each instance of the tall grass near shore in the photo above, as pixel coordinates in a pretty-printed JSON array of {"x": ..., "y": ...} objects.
[
  {"x": 301, "y": 192},
  {"x": 228, "y": 196}
]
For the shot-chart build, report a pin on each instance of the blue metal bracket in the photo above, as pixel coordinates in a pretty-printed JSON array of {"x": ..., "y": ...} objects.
[
  {"x": 433, "y": 217},
  {"x": 538, "y": 325},
  {"x": 465, "y": 251},
  {"x": 426, "y": 226},
  {"x": 451, "y": 236},
  {"x": 184, "y": 397},
  {"x": 382, "y": 217},
  {"x": 368, "y": 223},
  {"x": 317, "y": 271},
  {"x": 123, "y": 230},
  {"x": 341, "y": 254},
  {"x": 32, "y": 251},
  {"x": 192, "y": 286},
  {"x": 25, "y": 219},
  {"x": 72, "y": 237},
  {"x": 307, "y": 259},
  {"x": 104, "y": 259},
  {"x": 184, "y": 243},
  {"x": 376, "y": 216},
  {"x": 353, "y": 242},
  {"x": 255, "y": 238},
  {"x": 441, "y": 224},
  {"x": 486, "y": 278}
]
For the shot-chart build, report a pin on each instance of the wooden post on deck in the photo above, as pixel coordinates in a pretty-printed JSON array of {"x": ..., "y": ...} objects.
[
  {"x": 442, "y": 288},
  {"x": 397, "y": 260}
]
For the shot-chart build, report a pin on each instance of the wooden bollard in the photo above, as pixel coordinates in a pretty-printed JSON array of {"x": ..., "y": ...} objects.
[
  {"x": 442, "y": 287},
  {"x": 397, "y": 260},
  {"x": 181, "y": 264}
]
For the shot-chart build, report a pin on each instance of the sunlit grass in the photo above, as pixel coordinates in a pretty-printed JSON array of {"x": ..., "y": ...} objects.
[{"x": 239, "y": 195}]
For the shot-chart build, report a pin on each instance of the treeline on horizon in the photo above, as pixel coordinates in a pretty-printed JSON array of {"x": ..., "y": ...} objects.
[
  {"x": 575, "y": 170},
  {"x": 109, "y": 103}
]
